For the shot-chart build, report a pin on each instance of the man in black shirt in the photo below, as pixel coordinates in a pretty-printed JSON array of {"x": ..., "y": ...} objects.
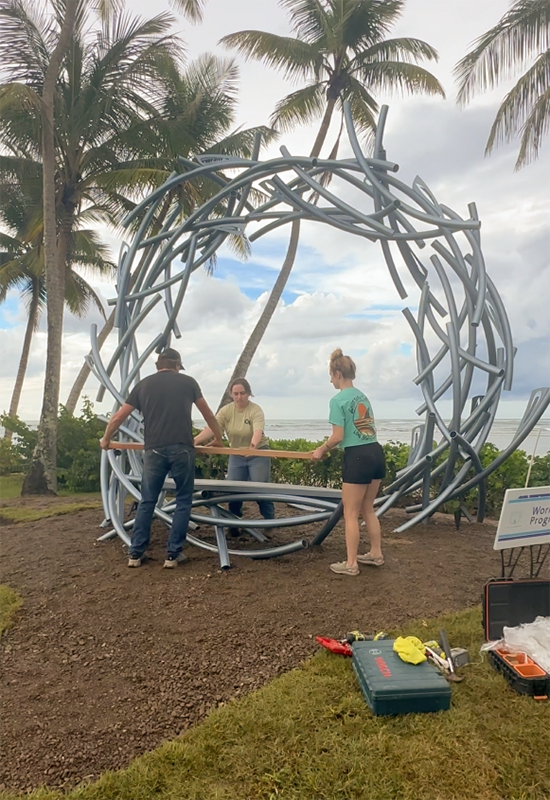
[{"x": 165, "y": 401}]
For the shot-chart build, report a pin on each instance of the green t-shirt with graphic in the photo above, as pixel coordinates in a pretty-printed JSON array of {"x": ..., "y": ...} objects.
[{"x": 352, "y": 411}]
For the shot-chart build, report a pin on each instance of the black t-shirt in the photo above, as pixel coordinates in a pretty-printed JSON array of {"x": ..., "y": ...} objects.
[{"x": 165, "y": 400}]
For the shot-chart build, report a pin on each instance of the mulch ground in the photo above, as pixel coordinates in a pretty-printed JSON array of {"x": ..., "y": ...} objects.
[{"x": 104, "y": 662}]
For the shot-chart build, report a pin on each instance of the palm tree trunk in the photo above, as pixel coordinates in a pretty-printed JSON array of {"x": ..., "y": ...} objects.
[
  {"x": 245, "y": 359},
  {"x": 24, "y": 360},
  {"x": 42, "y": 477},
  {"x": 323, "y": 130},
  {"x": 82, "y": 376},
  {"x": 84, "y": 373}
]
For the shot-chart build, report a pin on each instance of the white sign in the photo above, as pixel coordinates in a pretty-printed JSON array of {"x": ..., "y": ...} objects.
[{"x": 524, "y": 519}]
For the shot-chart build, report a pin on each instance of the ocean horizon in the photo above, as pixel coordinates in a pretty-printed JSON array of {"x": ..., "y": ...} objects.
[
  {"x": 400, "y": 430},
  {"x": 396, "y": 430}
]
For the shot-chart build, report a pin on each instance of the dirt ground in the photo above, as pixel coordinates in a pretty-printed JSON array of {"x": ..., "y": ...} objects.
[{"x": 104, "y": 662}]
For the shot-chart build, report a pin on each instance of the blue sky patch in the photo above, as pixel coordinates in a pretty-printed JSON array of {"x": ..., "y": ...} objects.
[{"x": 9, "y": 310}]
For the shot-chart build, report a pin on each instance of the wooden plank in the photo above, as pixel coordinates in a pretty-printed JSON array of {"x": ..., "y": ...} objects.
[{"x": 224, "y": 451}]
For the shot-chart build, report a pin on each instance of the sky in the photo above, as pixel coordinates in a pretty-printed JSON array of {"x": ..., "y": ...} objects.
[{"x": 339, "y": 293}]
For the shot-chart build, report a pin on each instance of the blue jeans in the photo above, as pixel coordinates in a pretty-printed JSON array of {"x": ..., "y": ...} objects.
[
  {"x": 179, "y": 460},
  {"x": 250, "y": 468}
]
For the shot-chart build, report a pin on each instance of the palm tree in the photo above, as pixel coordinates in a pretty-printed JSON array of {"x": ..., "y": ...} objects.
[
  {"x": 194, "y": 117},
  {"x": 109, "y": 80},
  {"x": 340, "y": 51},
  {"x": 22, "y": 265},
  {"x": 520, "y": 39},
  {"x": 43, "y": 471}
]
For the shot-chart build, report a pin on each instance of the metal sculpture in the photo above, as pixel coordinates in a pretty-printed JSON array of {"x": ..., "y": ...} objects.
[{"x": 475, "y": 340}]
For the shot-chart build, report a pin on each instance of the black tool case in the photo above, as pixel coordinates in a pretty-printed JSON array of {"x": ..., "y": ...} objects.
[{"x": 508, "y": 603}]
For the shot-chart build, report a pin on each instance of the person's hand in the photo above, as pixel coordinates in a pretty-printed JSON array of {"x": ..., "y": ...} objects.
[
  {"x": 216, "y": 443},
  {"x": 319, "y": 453},
  {"x": 104, "y": 443},
  {"x": 252, "y": 446}
]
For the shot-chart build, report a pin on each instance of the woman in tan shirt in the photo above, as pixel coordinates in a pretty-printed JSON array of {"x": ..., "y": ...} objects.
[{"x": 243, "y": 423}]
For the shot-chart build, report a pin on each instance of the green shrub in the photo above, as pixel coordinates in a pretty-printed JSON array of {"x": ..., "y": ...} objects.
[
  {"x": 512, "y": 473},
  {"x": 210, "y": 467},
  {"x": 15, "y": 455},
  {"x": 10, "y": 458},
  {"x": 78, "y": 450},
  {"x": 540, "y": 471},
  {"x": 79, "y": 455},
  {"x": 397, "y": 456}
]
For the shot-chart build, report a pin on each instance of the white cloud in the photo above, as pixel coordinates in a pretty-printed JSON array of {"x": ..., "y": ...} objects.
[{"x": 344, "y": 294}]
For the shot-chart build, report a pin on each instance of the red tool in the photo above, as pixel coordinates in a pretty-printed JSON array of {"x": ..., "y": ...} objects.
[{"x": 340, "y": 648}]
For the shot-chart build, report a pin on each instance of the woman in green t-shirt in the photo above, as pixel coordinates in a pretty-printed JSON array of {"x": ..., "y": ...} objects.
[
  {"x": 243, "y": 423},
  {"x": 363, "y": 467}
]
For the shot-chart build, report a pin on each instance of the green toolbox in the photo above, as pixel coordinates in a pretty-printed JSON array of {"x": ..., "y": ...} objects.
[{"x": 391, "y": 686}]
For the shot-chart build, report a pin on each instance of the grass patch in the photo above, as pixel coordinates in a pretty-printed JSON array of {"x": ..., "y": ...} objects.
[
  {"x": 36, "y": 507},
  {"x": 10, "y": 602},
  {"x": 10, "y": 486},
  {"x": 309, "y": 735},
  {"x": 24, "y": 514}
]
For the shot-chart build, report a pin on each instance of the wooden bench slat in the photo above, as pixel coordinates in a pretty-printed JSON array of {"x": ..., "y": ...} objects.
[{"x": 224, "y": 451}]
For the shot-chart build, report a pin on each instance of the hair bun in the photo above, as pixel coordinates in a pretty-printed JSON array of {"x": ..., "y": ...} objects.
[{"x": 341, "y": 363}]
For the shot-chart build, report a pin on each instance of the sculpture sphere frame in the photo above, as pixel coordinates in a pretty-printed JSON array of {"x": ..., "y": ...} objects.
[{"x": 476, "y": 339}]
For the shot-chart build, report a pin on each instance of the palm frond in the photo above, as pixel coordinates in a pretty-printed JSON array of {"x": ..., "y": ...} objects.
[
  {"x": 18, "y": 97},
  {"x": 519, "y": 102},
  {"x": 395, "y": 76},
  {"x": 198, "y": 109},
  {"x": 241, "y": 142},
  {"x": 300, "y": 107},
  {"x": 35, "y": 292},
  {"x": 362, "y": 23},
  {"x": 90, "y": 253},
  {"x": 521, "y": 34},
  {"x": 535, "y": 127},
  {"x": 211, "y": 265},
  {"x": 364, "y": 108},
  {"x": 522, "y": 110},
  {"x": 410, "y": 51},
  {"x": 296, "y": 59},
  {"x": 132, "y": 178},
  {"x": 193, "y": 9},
  {"x": 11, "y": 275},
  {"x": 79, "y": 294},
  {"x": 106, "y": 9},
  {"x": 108, "y": 207},
  {"x": 25, "y": 44},
  {"x": 9, "y": 244},
  {"x": 308, "y": 18},
  {"x": 122, "y": 76},
  {"x": 17, "y": 169},
  {"x": 240, "y": 246}
]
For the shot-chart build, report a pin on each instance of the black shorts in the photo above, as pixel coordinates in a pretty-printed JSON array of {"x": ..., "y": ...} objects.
[{"x": 363, "y": 463}]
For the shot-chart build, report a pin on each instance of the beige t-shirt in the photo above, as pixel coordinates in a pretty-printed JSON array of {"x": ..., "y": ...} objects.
[{"x": 240, "y": 425}]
